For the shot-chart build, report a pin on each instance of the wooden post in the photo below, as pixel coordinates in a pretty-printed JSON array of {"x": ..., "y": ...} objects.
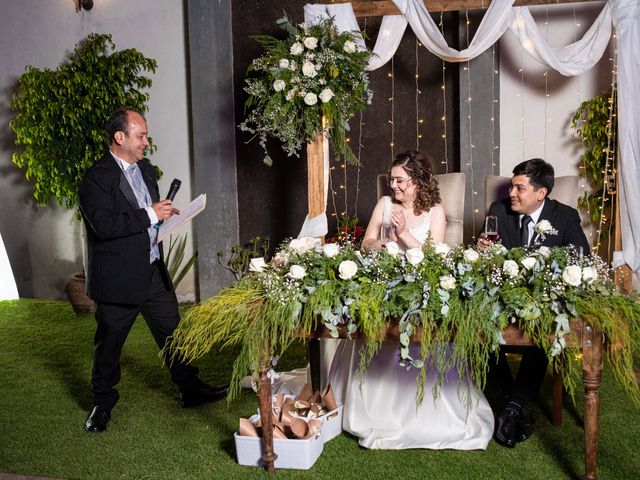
[
  {"x": 264, "y": 400},
  {"x": 315, "y": 174},
  {"x": 592, "y": 351},
  {"x": 621, "y": 274}
]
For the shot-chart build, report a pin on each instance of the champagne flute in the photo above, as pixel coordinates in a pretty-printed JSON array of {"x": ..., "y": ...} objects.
[
  {"x": 386, "y": 232},
  {"x": 491, "y": 228}
]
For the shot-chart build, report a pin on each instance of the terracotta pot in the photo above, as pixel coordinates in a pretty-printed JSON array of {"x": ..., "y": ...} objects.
[{"x": 76, "y": 294}]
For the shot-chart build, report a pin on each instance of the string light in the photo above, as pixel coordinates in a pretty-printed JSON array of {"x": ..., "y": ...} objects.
[
  {"x": 546, "y": 88},
  {"x": 494, "y": 147},
  {"x": 474, "y": 193},
  {"x": 445, "y": 161},
  {"x": 418, "y": 92},
  {"x": 521, "y": 95},
  {"x": 392, "y": 100}
]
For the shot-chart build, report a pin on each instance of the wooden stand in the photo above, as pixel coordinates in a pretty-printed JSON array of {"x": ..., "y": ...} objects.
[{"x": 582, "y": 336}]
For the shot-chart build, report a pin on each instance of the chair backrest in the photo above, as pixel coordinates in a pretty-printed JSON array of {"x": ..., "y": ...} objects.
[
  {"x": 567, "y": 190},
  {"x": 452, "y": 191}
]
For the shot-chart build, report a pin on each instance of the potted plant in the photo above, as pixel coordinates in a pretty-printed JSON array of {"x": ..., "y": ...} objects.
[{"x": 60, "y": 116}]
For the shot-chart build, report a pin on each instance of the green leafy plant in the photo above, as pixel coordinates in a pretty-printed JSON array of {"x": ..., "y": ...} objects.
[
  {"x": 595, "y": 123},
  {"x": 60, "y": 114},
  {"x": 316, "y": 74},
  {"x": 174, "y": 256},
  {"x": 241, "y": 255}
]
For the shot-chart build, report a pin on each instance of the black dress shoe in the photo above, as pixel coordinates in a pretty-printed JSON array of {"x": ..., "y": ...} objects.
[
  {"x": 203, "y": 394},
  {"x": 507, "y": 428},
  {"x": 525, "y": 425},
  {"x": 97, "y": 420}
]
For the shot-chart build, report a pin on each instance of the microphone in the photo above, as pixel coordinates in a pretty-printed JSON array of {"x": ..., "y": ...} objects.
[{"x": 173, "y": 189}]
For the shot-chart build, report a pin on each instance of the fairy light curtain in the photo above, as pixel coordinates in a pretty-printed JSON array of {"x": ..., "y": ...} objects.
[{"x": 570, "y": 60}]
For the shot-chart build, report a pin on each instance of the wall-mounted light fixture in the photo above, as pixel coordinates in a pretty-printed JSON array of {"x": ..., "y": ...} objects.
[{"x": 84, "y": 4}]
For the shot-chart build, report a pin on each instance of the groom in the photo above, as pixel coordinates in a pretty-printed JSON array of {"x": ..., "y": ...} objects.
[{"x": 518, "y": 215}]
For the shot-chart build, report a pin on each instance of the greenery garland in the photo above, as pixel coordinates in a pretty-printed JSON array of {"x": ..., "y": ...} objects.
[
  {"x": 461, "y": 298},
  {"x": 315, "y": 73}
]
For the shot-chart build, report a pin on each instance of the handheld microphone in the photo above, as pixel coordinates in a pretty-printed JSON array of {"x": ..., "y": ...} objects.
[{"x": 173, "y": 189}]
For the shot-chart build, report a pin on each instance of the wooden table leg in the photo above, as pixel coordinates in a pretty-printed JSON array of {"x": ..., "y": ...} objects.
[
  {"x": 592, "y": 352},
  {"x": 264, "y": 399}
]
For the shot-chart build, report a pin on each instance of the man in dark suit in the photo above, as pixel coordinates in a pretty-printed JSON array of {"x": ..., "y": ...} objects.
[
  {"x": 126, "y": 275},
  {"x": 527, "y": 205}
]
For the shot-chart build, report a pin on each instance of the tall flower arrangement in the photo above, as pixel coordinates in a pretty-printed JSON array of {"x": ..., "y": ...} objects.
[
  {"x": 314, "y": 73},
  {"x": 453, "y": 296}
]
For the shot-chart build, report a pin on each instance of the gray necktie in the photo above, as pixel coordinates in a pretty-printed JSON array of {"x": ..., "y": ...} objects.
[
  {"x": 144, "y": 200},
  {"x": 524, "y": 230}
]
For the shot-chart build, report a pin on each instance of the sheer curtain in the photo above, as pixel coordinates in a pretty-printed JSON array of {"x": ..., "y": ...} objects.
[{"x": 573, "y": 59}]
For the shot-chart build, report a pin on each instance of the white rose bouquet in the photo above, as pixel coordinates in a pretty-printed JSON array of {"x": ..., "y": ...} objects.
[{"x": 315, "y": 72}]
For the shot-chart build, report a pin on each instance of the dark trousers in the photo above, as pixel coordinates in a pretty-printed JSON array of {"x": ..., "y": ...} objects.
[
  {"x": 501, "y": 386},
  {"x": 114, "y": 321}
]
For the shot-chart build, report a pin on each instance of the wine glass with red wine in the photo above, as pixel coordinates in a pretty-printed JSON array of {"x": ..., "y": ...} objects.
[{"x": 491, "y": 228}]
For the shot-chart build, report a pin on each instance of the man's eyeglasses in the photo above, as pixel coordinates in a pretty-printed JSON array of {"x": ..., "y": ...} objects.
[{"x": 399, "y": 181}]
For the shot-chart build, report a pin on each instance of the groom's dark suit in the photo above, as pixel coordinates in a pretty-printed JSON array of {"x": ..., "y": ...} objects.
[
  {"x": 566, "y": 221},
  {"x": 120, "y": 278}
]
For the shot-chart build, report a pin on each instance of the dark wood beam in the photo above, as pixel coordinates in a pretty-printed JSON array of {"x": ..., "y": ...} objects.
[{"x": 378, "y": 8}]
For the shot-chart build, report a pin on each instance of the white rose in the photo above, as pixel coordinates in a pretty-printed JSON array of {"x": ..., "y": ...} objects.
[
  {"x": 257, "y": 265},
  {"x": 281, "y": 259},
  {"x": 330, "y": 250},
  {"x": 309, "y": 69},
  {"x": 528, "y": 262},
  {"x": 296, "y": 272},
  {"x": 310, "y": 98},
  {"x": 283, "y": 63},
  {"x": 349, "y": 46},
  {"x": 347, "y": 269},
  {"x": 290, "y": 94},
  {"x": 326, "y": 95},
  {"x": 304, "y": 244},
  {"x": 572, "y": 275},
  {"x": 279, "y": 85},
  {"x": 500, "y": 248},
  {"x": 470, "y": 255},
  {"x": 296, "y": 49},
  {"x": 392, "y": 248},
  {"x": 311, "y": 42},
  {"x": 589, "y": 275},
  {"x": 447, "y": 282},
  {"x": 544, "y": 251},
  {"x": 543, "y": 226},
  {"x": 442, "y": 249},
  {"x": 414, "y": 256},
  {"x": 510, "y": 268},
  {"x": 292, "y": 66}
]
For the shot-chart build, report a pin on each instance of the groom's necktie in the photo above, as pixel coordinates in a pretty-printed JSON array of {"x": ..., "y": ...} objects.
[
  {"x": 524, "y": 230},
  {"x": 144, "y": 200}
]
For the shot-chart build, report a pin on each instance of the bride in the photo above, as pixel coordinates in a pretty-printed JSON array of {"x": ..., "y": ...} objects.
[{"x": 379, "y": 405}]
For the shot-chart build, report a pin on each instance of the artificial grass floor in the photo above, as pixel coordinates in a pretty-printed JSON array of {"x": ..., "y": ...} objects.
[{"x": 45, "y": 364}]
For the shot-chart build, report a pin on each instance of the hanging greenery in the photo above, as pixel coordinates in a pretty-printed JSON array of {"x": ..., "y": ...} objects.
[
  {"x": 60, "y": 114},
  {"x": 315, "y": 73},
  {"x": 460, "y": 297},
  {"x": 596, "y": 126}
]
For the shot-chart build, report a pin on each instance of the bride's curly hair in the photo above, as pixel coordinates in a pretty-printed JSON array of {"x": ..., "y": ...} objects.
[{"x": 420, "y": 168}]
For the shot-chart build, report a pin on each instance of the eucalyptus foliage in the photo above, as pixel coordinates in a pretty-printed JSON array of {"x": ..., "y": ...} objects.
[
  {"x": 454, "y": 302},
  {"x": 315, "y": 73},
  {"x": 596, "y": 126},
  {"x": 61, "y": 113}
]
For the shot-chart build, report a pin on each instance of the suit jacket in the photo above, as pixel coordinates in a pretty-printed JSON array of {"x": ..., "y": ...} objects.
[
  {"x": 118, "y": 269},
  {"x": 563, "y": 218}
]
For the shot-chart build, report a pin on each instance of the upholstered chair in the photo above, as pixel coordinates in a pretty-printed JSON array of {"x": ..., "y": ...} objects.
[{"x": 452, "y": 190}]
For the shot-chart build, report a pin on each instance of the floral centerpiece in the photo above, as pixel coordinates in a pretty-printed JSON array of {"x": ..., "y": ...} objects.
[
  {"x": 315, "y": 73},
  {"x": 453, "y": 296}
]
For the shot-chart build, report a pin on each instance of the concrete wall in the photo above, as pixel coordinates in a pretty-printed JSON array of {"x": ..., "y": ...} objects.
[
  {"x": 43, "y": 243},
  {"x": 565, "y": 93}
]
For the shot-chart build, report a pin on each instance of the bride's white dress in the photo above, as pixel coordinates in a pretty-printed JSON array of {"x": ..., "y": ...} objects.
[{"x": 381, "y": 408}]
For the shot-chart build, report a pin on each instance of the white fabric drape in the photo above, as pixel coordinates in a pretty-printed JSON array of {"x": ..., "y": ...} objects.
[
  {"x": 626, "y": 18},
  {"x": 570, "y": 60}
]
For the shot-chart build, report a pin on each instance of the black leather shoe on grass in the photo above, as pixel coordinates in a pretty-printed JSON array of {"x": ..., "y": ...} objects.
[
  {"x": 525, "y": 425},
  {"x": 203, "y": 394},
  {"x": 97, "y": 420},
  {"x": 507, "y": 428}
]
